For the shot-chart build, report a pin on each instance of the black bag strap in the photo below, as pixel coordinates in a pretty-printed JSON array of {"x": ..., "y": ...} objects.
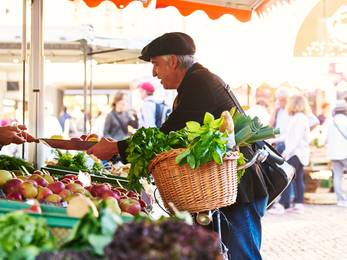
[{"x": 236, "y": 102}]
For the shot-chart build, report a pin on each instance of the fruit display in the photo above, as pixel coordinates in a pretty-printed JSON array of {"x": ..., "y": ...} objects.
[{"x": 78, "y": 194}]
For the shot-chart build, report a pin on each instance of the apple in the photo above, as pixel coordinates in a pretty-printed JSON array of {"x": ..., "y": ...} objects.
[
  {"x": 143, "y": 204},
  {"x": 53, "y": 198},
  {"x": 12, "y": 185},
  {"x": 28, "y": 189},
  {"x": 48, "y": 178},
  {"x": 66, "y": 181},
  {"x": 132, "y": 194},
  {"x": 112, "y": 204},
  {"x": 98, "y": 189},
  {"x": 65, "y": 193},
  {"x": 39, "y": 180},
  {"x": 110, "y": 193},
  {"x": 14, "y": 195},
  {"x": 4, "y": 177},
  {"x": 43, "y": 192},
  {"x": 79, "y": 206},
  {"x": 56, "y": 187},
  {"x": 75, "y": 188},
  {"x": 130, "y": 206},
  {"x": 79, "y": 182},
  {"x": 92, "y": 138},
  {"x": 35, "y": 208}
]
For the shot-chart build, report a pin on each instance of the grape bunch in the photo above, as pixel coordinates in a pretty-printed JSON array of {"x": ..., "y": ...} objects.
[{"x": 169, "y": 239}]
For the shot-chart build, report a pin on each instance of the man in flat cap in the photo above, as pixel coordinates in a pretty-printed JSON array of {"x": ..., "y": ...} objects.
[{"x": 200, "y": 91}]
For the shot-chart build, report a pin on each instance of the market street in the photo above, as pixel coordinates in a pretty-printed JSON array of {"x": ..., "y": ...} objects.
[{"x": 319, "y": 233}]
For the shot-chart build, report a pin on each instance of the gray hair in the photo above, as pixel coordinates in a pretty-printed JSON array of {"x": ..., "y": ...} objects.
[{"x": 184, "y": 61}]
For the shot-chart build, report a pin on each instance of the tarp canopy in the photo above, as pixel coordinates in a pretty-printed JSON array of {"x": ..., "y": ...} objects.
[{"x": 240, "y": 9}]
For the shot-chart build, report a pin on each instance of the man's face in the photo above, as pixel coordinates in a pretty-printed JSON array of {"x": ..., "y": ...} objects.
[{"x": 164, "y": 70}]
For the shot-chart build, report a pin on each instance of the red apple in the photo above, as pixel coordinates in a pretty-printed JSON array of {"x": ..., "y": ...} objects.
[
  {"x": 66, "y": 181},
  {"x": 43, "y": 192},
  {"x": 132, "y": 194},
  {"x": 15, "y": 195},
  {"x": 35, "y": 208},
  {"x": 12, "y": 185},
  {"x": 39, "y": 180},
  {"x": 28, "y": 189},
  {"x": 130, "y": 205},
  {"x": 56, "y": 187},
  {"x": 109, "y": 193},
  {"x": 98, "y": 189}
]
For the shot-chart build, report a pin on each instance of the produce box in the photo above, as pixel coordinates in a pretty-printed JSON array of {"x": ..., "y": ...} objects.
[
  {"x": 115, "y": 180},
  {"x": 59, "y": 223}
]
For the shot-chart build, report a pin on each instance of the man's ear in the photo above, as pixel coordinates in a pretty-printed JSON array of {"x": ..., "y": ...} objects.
[{"x": 173, "y": 61}]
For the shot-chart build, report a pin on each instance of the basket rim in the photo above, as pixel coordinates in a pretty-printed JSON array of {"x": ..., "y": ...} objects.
[{"x": 174, "y": 152}]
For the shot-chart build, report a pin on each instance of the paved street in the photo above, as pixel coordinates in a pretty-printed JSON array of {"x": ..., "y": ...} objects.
[{"x": 318, "y": 233}]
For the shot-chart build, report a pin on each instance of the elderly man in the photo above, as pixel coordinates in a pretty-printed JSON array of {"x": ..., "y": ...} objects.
[
  {"x": 200, "y": 91},
  {"x": 15, "y": 135}
]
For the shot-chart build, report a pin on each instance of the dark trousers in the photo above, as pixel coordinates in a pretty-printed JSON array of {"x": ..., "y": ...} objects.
[{"x": 297, "y": 184}]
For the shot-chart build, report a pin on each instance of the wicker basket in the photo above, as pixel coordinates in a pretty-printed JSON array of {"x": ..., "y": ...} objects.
[{"x": 208, "y": 187}]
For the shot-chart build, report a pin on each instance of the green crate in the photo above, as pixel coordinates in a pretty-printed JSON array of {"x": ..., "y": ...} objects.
[
  {"x": 59, "y": 223},
  {"x": 114, "y": 180}
]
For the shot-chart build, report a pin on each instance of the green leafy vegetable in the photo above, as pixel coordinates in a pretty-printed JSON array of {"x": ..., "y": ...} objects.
[
  {"x": 144, "y": 145},
  {"x": 11, "y": 163},
  {"x": 207, "y": 143},
  {"x": 23, "y": 237}
]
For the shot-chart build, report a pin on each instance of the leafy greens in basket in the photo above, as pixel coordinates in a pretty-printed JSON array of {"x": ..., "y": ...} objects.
[{"x": 204, "y": 143}]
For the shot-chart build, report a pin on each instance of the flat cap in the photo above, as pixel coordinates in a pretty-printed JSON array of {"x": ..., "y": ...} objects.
[{"x": 176, "y": 43}]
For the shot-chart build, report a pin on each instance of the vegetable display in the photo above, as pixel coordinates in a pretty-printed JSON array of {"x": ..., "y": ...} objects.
[{"x": 167, "y": 239}]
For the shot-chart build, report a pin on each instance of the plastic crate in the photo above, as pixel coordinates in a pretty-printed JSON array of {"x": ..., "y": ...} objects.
[
  {"x": 114, "y": 180},
  {"x": 59, "y": 223}
]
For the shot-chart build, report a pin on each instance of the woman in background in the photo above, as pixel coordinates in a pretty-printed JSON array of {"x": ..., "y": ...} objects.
[{"x": 118, "y": 120}]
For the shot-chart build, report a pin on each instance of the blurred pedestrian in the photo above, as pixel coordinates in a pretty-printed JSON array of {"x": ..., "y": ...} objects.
[
  {"x": 63, "y": 116},
  {"x": 260, "y": 110},
  {"x": 296, "y": 150},
  {"x": 336, "y": 148},
  {"x": 148, "y": 109},
  {"x": 119, "y": 119}
]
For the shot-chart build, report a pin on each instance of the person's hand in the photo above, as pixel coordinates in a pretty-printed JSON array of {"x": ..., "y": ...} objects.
[
  {"x": 11, "y": 134},
  {"x": 105, "y": 149},
  {"x": 29, "y": 138}
]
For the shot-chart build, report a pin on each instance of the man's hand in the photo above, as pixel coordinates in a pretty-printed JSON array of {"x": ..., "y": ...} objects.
[
  {"x": 12, "y": 134},
  {"x": 105, "y": 149},
  {"x": 29, "y": 138}
]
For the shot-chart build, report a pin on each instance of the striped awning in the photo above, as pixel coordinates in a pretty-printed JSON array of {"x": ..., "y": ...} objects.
[{"x": 240, "y": 9}]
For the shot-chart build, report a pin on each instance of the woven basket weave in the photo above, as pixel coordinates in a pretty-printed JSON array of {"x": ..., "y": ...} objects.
[{"x": 208, "y": 187}]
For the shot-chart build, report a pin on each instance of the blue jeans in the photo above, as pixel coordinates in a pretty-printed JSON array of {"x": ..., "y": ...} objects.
[
  {"x": 297, "y": 184},
  {"x": 241, "y": 229}
]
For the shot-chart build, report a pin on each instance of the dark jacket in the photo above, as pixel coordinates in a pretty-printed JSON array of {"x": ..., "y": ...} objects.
[{"x": 199, "y": 92}]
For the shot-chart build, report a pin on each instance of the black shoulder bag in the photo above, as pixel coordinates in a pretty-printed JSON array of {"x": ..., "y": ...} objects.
[{"x": 276, "y": 171}]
